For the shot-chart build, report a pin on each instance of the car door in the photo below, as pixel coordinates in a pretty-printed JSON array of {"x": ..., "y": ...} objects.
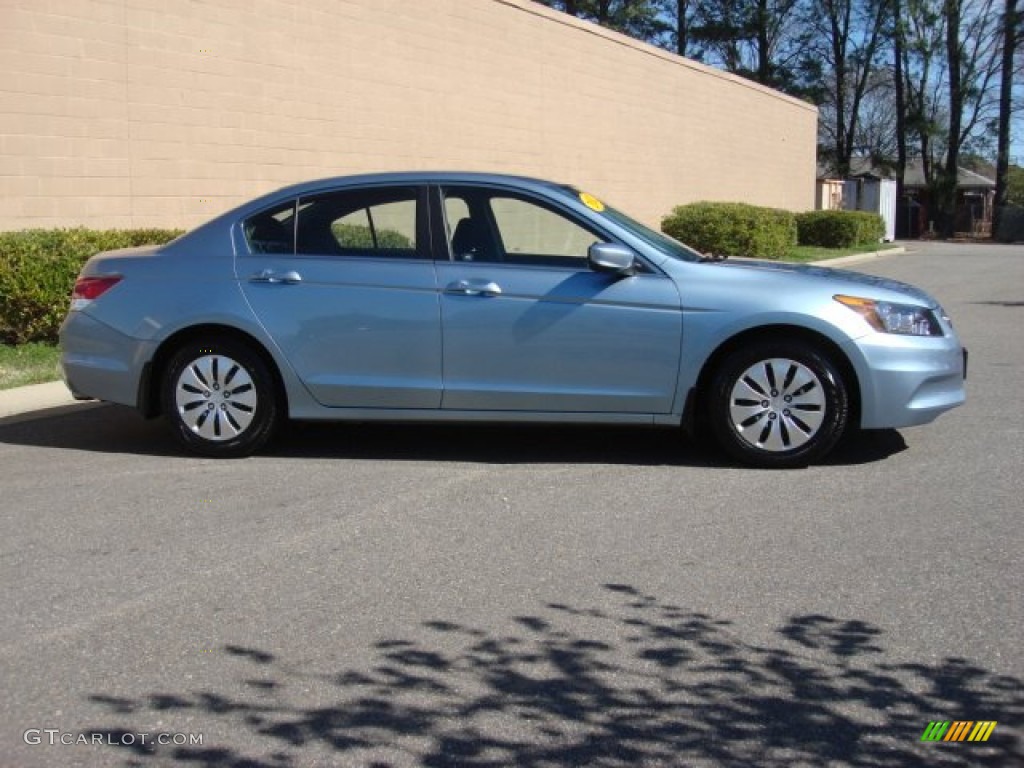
[
  {"x": 344, "y": 283},
  {"x": 528, "y": 326}
]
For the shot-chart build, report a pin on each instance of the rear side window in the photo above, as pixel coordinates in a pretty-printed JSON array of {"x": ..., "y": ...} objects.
[
  {"x": 272, "y": 231},
  {"x": 384, "y": 226},
  {"x": 365, "y": 222}
]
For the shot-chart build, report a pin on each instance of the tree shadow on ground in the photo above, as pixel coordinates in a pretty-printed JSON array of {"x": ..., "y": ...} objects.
[
  {"x": 632, "y": 682},
  {"x": 118, "y": 429}
]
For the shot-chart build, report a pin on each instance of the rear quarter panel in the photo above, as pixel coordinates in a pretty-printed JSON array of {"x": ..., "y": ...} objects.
[{"x": 190, "y": 282}]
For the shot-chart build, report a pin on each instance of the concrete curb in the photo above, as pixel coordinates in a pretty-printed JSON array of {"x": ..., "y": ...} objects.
[
  {"x": 53, "y": 398},
  {"x": 37, "y": 400},
  {"x": 855, "y": 258}
]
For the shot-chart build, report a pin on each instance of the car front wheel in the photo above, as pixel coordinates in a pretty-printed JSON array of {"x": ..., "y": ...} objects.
[
  {"x": 218, "y": 397},
  {"x": 778, "y": 404}
]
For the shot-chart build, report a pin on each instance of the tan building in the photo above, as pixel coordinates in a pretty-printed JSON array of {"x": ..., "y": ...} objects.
[{"x": 132, "y": 113}]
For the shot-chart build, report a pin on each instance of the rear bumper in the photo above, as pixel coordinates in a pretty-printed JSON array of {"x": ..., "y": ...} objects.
[
  {"x": 906, "y": 381},
  {"x": 100, "y": 363}
]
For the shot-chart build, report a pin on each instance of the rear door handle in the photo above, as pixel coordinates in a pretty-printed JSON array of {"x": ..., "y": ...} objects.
[
  {"x": 473, "y": 288},
  {"x": 270, "y": 276}
]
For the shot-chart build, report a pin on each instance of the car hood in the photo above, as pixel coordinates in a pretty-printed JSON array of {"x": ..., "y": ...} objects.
[{"x": 842, "y": 280}]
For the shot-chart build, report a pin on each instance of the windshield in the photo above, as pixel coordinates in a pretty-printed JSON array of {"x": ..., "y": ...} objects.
[{"x": 657, "y": 240}]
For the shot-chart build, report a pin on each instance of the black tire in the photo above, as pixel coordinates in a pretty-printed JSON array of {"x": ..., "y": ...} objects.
[
  {"x": 777, "y": 404},
  {"x": 227, "y": 381}
]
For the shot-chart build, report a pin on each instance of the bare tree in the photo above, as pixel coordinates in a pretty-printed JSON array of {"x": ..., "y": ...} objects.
[
  {"x": 1011, "y": 28},
  {"x": 923, "y": 67},
  {"x": 893, "y": 79},
  {"x": 851, "y": 37},
  {"x": 900, "y": 101},
  {"x": 877, "y": 112},
  {"x": 684, "y": 10},
  {"x": 972, "y": 46}
]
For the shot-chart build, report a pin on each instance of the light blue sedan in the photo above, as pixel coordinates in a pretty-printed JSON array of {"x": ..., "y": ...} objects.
[{"x": 479, "y": 297}]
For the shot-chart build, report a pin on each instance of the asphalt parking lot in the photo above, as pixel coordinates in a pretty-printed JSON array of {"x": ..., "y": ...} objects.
[{"x": 386, "y": 595}]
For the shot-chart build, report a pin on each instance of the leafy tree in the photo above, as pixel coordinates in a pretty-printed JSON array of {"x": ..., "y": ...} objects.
[
  {"x": 641, "y": 19},
  {"x": 1015, "y": 186},
  {"x": 759, "y": 39}
]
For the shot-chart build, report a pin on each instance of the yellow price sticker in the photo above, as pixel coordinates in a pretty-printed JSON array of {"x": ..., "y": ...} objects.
[{"x": 591, "y": 202}]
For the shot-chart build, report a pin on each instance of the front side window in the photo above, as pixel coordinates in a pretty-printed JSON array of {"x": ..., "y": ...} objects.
[
  {"x": 494, "y": 225},
  {"x": 658, "y": 240},
  {"x": 533, "y": 233}
]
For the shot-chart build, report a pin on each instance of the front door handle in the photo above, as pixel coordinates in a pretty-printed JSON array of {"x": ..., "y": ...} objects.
[
  {"x": 473, "y": 288},
  {"x": 270, "y": 276}
]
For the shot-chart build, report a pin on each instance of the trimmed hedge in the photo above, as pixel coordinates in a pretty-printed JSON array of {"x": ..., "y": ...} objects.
[
  {"x": 839, "y": 229},
  {"x": 733, "y": 229},
  {"x": 38, "y": 268}
]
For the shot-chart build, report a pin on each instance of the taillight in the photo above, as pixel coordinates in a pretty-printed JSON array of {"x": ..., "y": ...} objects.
[{"x": 88, "y": 289}]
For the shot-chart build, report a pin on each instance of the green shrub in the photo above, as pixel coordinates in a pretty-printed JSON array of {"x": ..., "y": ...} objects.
[
  {"x": 733, "y": 229},
  {"x": 38, "y": 268},
  {"x": 839, "y": 229}
]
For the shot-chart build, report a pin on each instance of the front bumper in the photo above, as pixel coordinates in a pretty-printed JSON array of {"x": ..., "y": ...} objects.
[{"x": 907, "y": 380}]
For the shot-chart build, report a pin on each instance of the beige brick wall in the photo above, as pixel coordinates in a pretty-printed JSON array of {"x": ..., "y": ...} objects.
[{"x": 117, "y": 113}]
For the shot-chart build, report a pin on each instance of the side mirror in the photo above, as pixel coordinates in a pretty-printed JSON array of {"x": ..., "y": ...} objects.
[{"x": 609, "y": 257}]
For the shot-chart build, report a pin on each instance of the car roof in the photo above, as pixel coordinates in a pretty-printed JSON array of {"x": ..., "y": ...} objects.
[
  {"x": 215, "y": 227},
  {"x": 412, "y": 177},
  {"x": 397, "y": 177}
]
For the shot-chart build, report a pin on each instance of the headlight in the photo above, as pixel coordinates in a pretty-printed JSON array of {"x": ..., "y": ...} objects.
[{"x": 887, "y": 317}]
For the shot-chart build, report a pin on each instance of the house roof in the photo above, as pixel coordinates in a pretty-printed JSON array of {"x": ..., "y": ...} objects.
[{"x": 913, "y": 178}]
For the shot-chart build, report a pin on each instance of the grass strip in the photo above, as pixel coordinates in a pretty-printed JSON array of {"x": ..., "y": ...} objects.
[
  {"x": 805, "y": 253},
  {"x": 33, "y": 363}
]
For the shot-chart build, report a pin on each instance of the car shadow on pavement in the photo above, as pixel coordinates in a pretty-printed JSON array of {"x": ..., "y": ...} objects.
[
  {"x": 118, "y": 429},
  {"x": 90, "y": 427},
  {"x": 631, "y": 680}
]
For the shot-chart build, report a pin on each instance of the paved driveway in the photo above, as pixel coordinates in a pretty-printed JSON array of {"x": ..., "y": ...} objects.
[{"x": 371, "y": 595}]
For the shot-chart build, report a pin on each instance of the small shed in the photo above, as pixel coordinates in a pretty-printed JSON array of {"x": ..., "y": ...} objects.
[
  {"x": 829, "y": 195},
  {"x": 875, "y": 195},
  {"x": 913, "y": 215}
]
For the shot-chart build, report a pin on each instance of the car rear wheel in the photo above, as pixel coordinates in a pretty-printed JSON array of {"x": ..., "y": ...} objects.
[
  {"x": 778, "y": 404},
  {"x": 218, "y": 397}
]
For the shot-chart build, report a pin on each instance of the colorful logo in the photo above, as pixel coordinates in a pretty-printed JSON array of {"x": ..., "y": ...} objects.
[{"x": 958, "y": 730}]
